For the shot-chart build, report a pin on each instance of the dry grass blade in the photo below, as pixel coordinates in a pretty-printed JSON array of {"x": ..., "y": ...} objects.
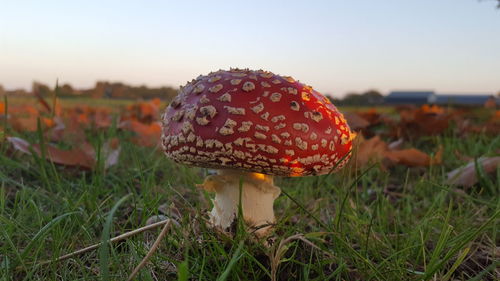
[
  {"x": 112, "y": 240},
  {"x": 151, "y": 251}
]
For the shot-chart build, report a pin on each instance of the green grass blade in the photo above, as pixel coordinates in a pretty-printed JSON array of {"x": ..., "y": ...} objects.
[
  {"x": 104, "y": 249},
  {"x": 183, "y": 271},
  {"x": 469, "y": 236},
  {"x": 455, "y": 265},
  {"x": 42, "y": 232},
  {"x": 236, "y": 256}
]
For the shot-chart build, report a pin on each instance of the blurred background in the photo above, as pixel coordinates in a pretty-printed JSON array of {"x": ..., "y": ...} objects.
[{"x": 146, "y": 49}]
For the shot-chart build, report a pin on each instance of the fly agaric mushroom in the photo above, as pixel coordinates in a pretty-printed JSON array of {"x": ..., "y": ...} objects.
[{"x": 253, "y": 125}]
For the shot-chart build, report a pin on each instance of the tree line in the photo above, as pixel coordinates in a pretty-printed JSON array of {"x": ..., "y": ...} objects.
[{"x": 102, "y": 89}]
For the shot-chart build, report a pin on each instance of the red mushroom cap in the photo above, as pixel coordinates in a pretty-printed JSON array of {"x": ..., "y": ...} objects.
[{"x": 255, "y": 121}]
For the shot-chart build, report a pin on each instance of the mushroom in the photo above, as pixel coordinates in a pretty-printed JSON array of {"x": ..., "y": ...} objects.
[{"x": 251, "y": 126}]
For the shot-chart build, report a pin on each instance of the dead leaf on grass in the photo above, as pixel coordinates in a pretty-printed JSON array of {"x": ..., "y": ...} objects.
[
  {"x": 111, "y": 150},
  {"x": 410, "y": 157},
  {"x": 377, "y": 150},
  {"x": 423, "y": 121},
  {"x": 83, "y": 156},
  {"x": 355, "y": 121},
  {"x": 146, "y": 134},
  {"x": 466, "y": 175},
  {"x": 367, "y": 151}
]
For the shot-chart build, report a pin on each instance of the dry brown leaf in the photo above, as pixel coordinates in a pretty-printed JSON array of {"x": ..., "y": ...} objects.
[
  {"x": 377, "y": 150},
  {"x": 147, "y": 135},
  {"x": 438, "y": 157},
  {"x": 102, "y": 118},
  {"x": 82, "y": 157},
  {"x": 144, "y": 112},
  {"x": 424, "y": 121},
  {"x": 30, "y": 123},
  {"x": 368, "y": 151},
  {"x": 466, "y": 176},
  {"x": 111, "y": 151},
  {"x": 431, "y": 109},
  {"x": 496, "y": 116},
  {"x": 396, "y": 144},
  {"x": 23, "y": 110},
  {"x": 355, "y": 121},
  {"x": 410, "y": 157},
  {"x": 371, "y": 115}
]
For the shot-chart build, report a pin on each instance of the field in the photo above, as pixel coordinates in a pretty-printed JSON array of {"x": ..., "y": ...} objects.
[{"x": 392, "y": 214}]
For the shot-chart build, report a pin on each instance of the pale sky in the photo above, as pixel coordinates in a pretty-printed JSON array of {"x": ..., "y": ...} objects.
[{"x": 336, "y": 46}]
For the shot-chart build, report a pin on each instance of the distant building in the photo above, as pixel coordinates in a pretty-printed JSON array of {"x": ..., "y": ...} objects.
[
  {"x": 430, "y": 97},
  {"x": 410, "y": 97},
  {"x": 467, "y": 99}
]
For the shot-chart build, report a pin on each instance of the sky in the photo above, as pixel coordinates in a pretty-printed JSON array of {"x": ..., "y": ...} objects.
[{"x": 336, "y": 46}]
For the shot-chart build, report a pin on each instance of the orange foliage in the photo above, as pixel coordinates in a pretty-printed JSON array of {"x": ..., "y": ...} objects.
[
  {"x": 23, "y": 110},
  {"x": 145, "y": 112},
  {"x": 496, "y": 116},
  {"x": 71, "y": 125},
  {"x": 48, "y": 122},
  {"x": 82, "y": 118},
  {"x": 431, "y": 109},
  {"x": 424, "y": 121},
  {"x": 146, "y": 134}
]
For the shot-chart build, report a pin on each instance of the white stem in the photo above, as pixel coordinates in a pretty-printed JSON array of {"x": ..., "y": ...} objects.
[{"x": 257, "y": 199}]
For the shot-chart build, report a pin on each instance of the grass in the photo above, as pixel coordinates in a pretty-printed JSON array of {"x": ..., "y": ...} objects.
[
  {"x": 400, "y": 224},
  {"x": 77, "y": 101}
]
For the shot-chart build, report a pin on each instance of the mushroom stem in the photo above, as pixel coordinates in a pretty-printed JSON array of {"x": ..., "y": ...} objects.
[{"x": 257, "y": 199}]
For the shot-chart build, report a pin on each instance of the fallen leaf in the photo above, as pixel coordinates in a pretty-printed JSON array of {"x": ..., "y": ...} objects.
[
  {"x": 424, "y": 121},
  {"x": 371, "y": 115},
  {"x": 144, "y": 112},
  {"x": 146, "y": 134},
  {"x": 431, "y": 109},
  {"x": 48, "y": 122},
  {"x": 410, "y": 157},
  {"x": 111, "y": 151},
  {"x": 25, "y": 124},
  {"x": 355, "y": 121},
  {"x": 496, "y": 116},
  {"x": 377, "y": 150},
  {"x": 466, "y": 175},
  {"x": 396, "y": 144},
  {"x": 23, "y": 111},
  {"x": 438, "y": 156},
  {"x": 102, "y": 118},
  {"x": 19, "y": 144},
  {"x": 68, "y": 129},
  {"x": 368, "y": 151},
  {"x": 83, "y": 157}
]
